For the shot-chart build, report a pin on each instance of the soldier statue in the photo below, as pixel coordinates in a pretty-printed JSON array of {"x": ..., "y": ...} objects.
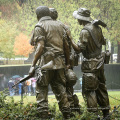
[
  {"x": 70, "y": 75},
  {"x": 52, "y": 55},
  {"x": 90, "y": 44}
]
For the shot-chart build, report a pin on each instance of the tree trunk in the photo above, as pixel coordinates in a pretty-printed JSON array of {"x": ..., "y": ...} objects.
[
  {"x": 20, "y": 2},
  {"x": 112, "y": 52},
  {"x": 118, "y": 53}
]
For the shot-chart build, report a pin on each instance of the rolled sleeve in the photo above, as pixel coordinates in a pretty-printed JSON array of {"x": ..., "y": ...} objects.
[
  {"x": 83, "y": 40},
  {"x": 39, "y": 34}
]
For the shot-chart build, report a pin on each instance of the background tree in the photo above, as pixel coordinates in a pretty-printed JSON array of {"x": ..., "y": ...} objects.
[
  {"x": 8, "y": 8},
  {"x": 8, "y": 32},
  {"x": 22, "y": 46},
  {"x": 107, "y": 10}
]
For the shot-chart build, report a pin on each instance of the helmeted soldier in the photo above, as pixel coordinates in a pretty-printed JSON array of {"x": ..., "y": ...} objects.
[
  {"x": 90, "y": 44},
  {"x": 48, "y": 38},
  {"x": 70, "y": 75}
]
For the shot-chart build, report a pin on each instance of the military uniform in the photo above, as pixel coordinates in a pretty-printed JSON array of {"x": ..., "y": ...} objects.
[
  {"x": 52, "y": 63},
  {"x": 72, "y": 98},
  {"x": 90, "y": 44},
  {"x": 93, "y": 89},
  {"x": 70, "y": 75}
]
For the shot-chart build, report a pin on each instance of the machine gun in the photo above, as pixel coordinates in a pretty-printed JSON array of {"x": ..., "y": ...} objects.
[{"x": 99, "y": 22}]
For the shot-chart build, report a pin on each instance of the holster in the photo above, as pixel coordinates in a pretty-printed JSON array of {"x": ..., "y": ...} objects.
[{"x": 90, "y": 81}]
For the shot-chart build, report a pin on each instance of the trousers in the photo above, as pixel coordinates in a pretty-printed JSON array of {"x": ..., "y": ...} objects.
[
  {"x": 57, "y": 80},
  {"x": 98, "y": 96}
]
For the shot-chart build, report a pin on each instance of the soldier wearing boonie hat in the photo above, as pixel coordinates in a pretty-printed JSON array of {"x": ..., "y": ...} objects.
[{"x": 90, "y": 44}]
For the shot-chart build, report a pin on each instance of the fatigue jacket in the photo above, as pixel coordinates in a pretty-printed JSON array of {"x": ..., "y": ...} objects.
[
  {"x": 90, "y": 42},
  {"x": 51, "y": 32}
]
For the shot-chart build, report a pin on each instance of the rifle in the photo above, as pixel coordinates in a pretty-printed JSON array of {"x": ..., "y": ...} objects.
[
  {"x": 47, "y": 66},
  {"x": 22, "y": 80},
  {"x": 99, "y": 22}
]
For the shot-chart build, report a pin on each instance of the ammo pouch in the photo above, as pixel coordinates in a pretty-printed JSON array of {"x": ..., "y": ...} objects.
[
  {"x": 71, "y": 77},
  {"x": 74, "y": 57},
  {"x": 89, "y": 65},
  {"x": 106, "y": 56},
  {"x": 90, "y": 81}
]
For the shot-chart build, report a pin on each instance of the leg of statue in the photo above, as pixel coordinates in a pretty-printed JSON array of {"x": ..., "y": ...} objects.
[
  {"x": 73, "y": 99},
  {"x": 58, "y": 84},
  {"x": 69, "y": 91},
  {"x": 42, "y": 96},
  {"x": 89, "y": 96},
  {"x": 102, "y": 95},
  {"x": 91, "y": 100},
  {"x": 42, "y": 101},
  {"x": 76, "y": 104},
  {"x": 103, "y": 100}
]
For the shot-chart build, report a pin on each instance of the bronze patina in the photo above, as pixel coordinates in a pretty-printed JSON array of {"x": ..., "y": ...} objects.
[
  {"x": 70, "y": 75},
  {"x": 53, "y": 56},
  {"x": 90, "y": 44}
]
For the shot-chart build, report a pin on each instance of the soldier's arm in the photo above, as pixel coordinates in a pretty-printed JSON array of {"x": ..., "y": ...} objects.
[
  {"x": 31, "y": 40},
  {"x": 39, "y": 38},
  {"x": 67, "y": 53},
  {"x": 75, "y": 46},
  {"x": 83, "y": 40},
  {"x": 38, "y": 52}
]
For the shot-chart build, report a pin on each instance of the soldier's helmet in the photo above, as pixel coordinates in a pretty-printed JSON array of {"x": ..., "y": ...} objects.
[
  {"x": 53, "y": 13},
  {"x": 71, "y": 77},
  {"x": 42, "y": 11}
]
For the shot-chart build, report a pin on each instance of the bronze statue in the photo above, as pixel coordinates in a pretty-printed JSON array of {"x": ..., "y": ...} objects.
[
  {"x": 70, "y": 75},
  {"x": 52, "y": 51},
  {"x": 90, "y": 44}
]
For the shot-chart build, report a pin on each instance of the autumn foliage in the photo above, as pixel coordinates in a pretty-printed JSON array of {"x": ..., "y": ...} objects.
[{"x": 22, "y": 46}]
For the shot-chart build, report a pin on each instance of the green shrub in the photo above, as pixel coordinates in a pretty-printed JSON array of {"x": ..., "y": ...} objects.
[{"x": 11, "y": 110}]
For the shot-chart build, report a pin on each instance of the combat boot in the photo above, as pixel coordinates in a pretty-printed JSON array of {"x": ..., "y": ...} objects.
[
  {"x": 77, "y": 106},
  {"x": 43, "y": 115},
  {"x": 106, "y": 115},
  {"x": 67, "y": 116},
  {"x": 77, "y": 109}
]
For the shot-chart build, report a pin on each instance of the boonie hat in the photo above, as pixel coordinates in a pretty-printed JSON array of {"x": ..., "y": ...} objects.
[{"x": 82, "y": 14}]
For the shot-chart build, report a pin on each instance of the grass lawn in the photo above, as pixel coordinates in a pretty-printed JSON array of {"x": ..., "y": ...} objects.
[{"x": 51, "y": 98}]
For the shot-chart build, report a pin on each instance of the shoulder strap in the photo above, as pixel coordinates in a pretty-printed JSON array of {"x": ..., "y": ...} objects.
[{"x": 93, "y": 36}]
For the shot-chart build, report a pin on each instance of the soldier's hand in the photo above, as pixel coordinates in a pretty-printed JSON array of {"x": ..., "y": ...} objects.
[
  {"x": 68, "y": 66},
  {"x": 32, "y": 71}
]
